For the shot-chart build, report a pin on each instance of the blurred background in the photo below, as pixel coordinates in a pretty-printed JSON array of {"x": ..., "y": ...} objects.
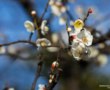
[{"x": 18, "y": 63}]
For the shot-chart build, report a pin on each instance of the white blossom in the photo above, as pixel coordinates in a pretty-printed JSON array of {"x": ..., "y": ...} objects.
[
  {"x": 62, "y": 20},
  {"x": 43, "y": 42},
  {"x": 52, "y": 49},
  {"x": 2, "y": 50},
  {"x": 78, "y": 24},
  {"x": 57, "y": 8},
  {"x": 102, "y": 59},
  {"x": 41, "y": 87},
  {"x": 44, "y": 28},
  {"x": 86, "y": 37},
  {"x": 29, "y": 26},
  {"x": 94, "y": 52},
  {"x": 11, "y": 89},
  {"x": 80, "y": 51},
  {"x": 63, "y": 9},
  {"x": 54, "y": 38},
  {"x": 71, "y": 23}
]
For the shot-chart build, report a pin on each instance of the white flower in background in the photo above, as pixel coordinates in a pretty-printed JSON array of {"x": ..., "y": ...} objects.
[
  {"x": 101, "y": 45},
  {"x": 43, "y": 42},
  {"x": 52, "y": 49},
  {"x": 57, "y": 8},
  {"x": 79, "y": 11},
  {"x": 44, "y": 28},
  {"x": 41, "y": 87},
  {"x": 102, "y": 59},
  {"x": 2, "y": 50},
  {"x": 71, "y": 23},
  {"x": 78, "y": 24},
  {"x": 10, "y": 89},
  {"x": 63, "y": 9},
  {"x": 94, "y": 52},
  {"x": 79, "y": 50},
  {"x": 51, "y": 2},
  {"x": 54, "y": 38},
  {"x": 85, "y": 36},
  {"x": 29, "y": 26},
  {"x": 62, "y": 20}
]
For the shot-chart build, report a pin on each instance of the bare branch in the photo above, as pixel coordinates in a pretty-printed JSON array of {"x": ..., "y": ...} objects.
[
  {"x": 30, "y": 36},
  {"x": 55, "y": 79},
  {"x": 38, "y": 71},
  {"x": 44, "y": 11},
  {"x": 19, "y": 41}
]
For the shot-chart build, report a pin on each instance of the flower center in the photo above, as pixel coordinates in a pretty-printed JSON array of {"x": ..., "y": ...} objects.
[
  {"x": 42, "y": 43},
  {"x": 84, "y": 39},
  {"x": 78, "y": 24},
  {"x": 79, "y": 54}
]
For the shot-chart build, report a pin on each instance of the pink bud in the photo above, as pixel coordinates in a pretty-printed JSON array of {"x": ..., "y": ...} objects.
[
  {"x": 44, "y": 88},
  {"x": 53, "y": 66},
  {"x": 90, "y": 11},
  {"x": 74, "y": 36}
]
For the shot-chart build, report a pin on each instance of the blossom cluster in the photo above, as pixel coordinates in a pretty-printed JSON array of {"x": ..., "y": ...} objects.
[
  {"x": 58, "y": 9},
  {"x": 80, "y": 39}
]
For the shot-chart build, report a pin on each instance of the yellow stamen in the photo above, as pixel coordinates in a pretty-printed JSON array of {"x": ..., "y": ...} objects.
[
  {"x": 84, "y": 39},
  {"x": 43, "y": 43}
]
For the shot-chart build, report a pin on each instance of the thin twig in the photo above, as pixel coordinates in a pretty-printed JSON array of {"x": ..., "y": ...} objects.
[
  {"x": 38, "y": 71},
  {"x": 30, "y": 36},
  {"x": 44, "y": 11},
  {"x": 86, "y": 16},
  {"x": 19, "y": 41},
  {"x": 55, "y": 79}
]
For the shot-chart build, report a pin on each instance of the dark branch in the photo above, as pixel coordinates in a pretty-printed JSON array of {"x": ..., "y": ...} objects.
[
  {"x": 55, "y": 79},
  {"x": 44, "y": 11},
  {"x": 30, "y": 36},
  {"x": 38, "y": 71},
  {"x": 20, "y": 41},
  {"x": 101, "y": 39}
]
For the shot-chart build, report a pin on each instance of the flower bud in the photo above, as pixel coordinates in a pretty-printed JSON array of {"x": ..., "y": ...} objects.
[
  {"x": 50, "y": 80},
  {"x": 69, "y": 29},
  {"x": 90, "y": 11},
  {"x": 33, "y": 13},
  {"x": 51, "y": 76},
  {"x": 55, "y": 64},
  {"x": 74, "y": 36},
  {"x": 44, "y": 88}
]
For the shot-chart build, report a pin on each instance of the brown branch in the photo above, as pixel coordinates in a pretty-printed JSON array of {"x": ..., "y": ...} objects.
[
  {"x": 38, "y": 71},
  {"x": 55, "y": 79},
  {"x": 44, "y": 11},
  {"x": 30, "y": 36},
  {"x": 101, "y": 39},
  {"x": 85, "y": 18},
  {"x": 19, "y": 41}
]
